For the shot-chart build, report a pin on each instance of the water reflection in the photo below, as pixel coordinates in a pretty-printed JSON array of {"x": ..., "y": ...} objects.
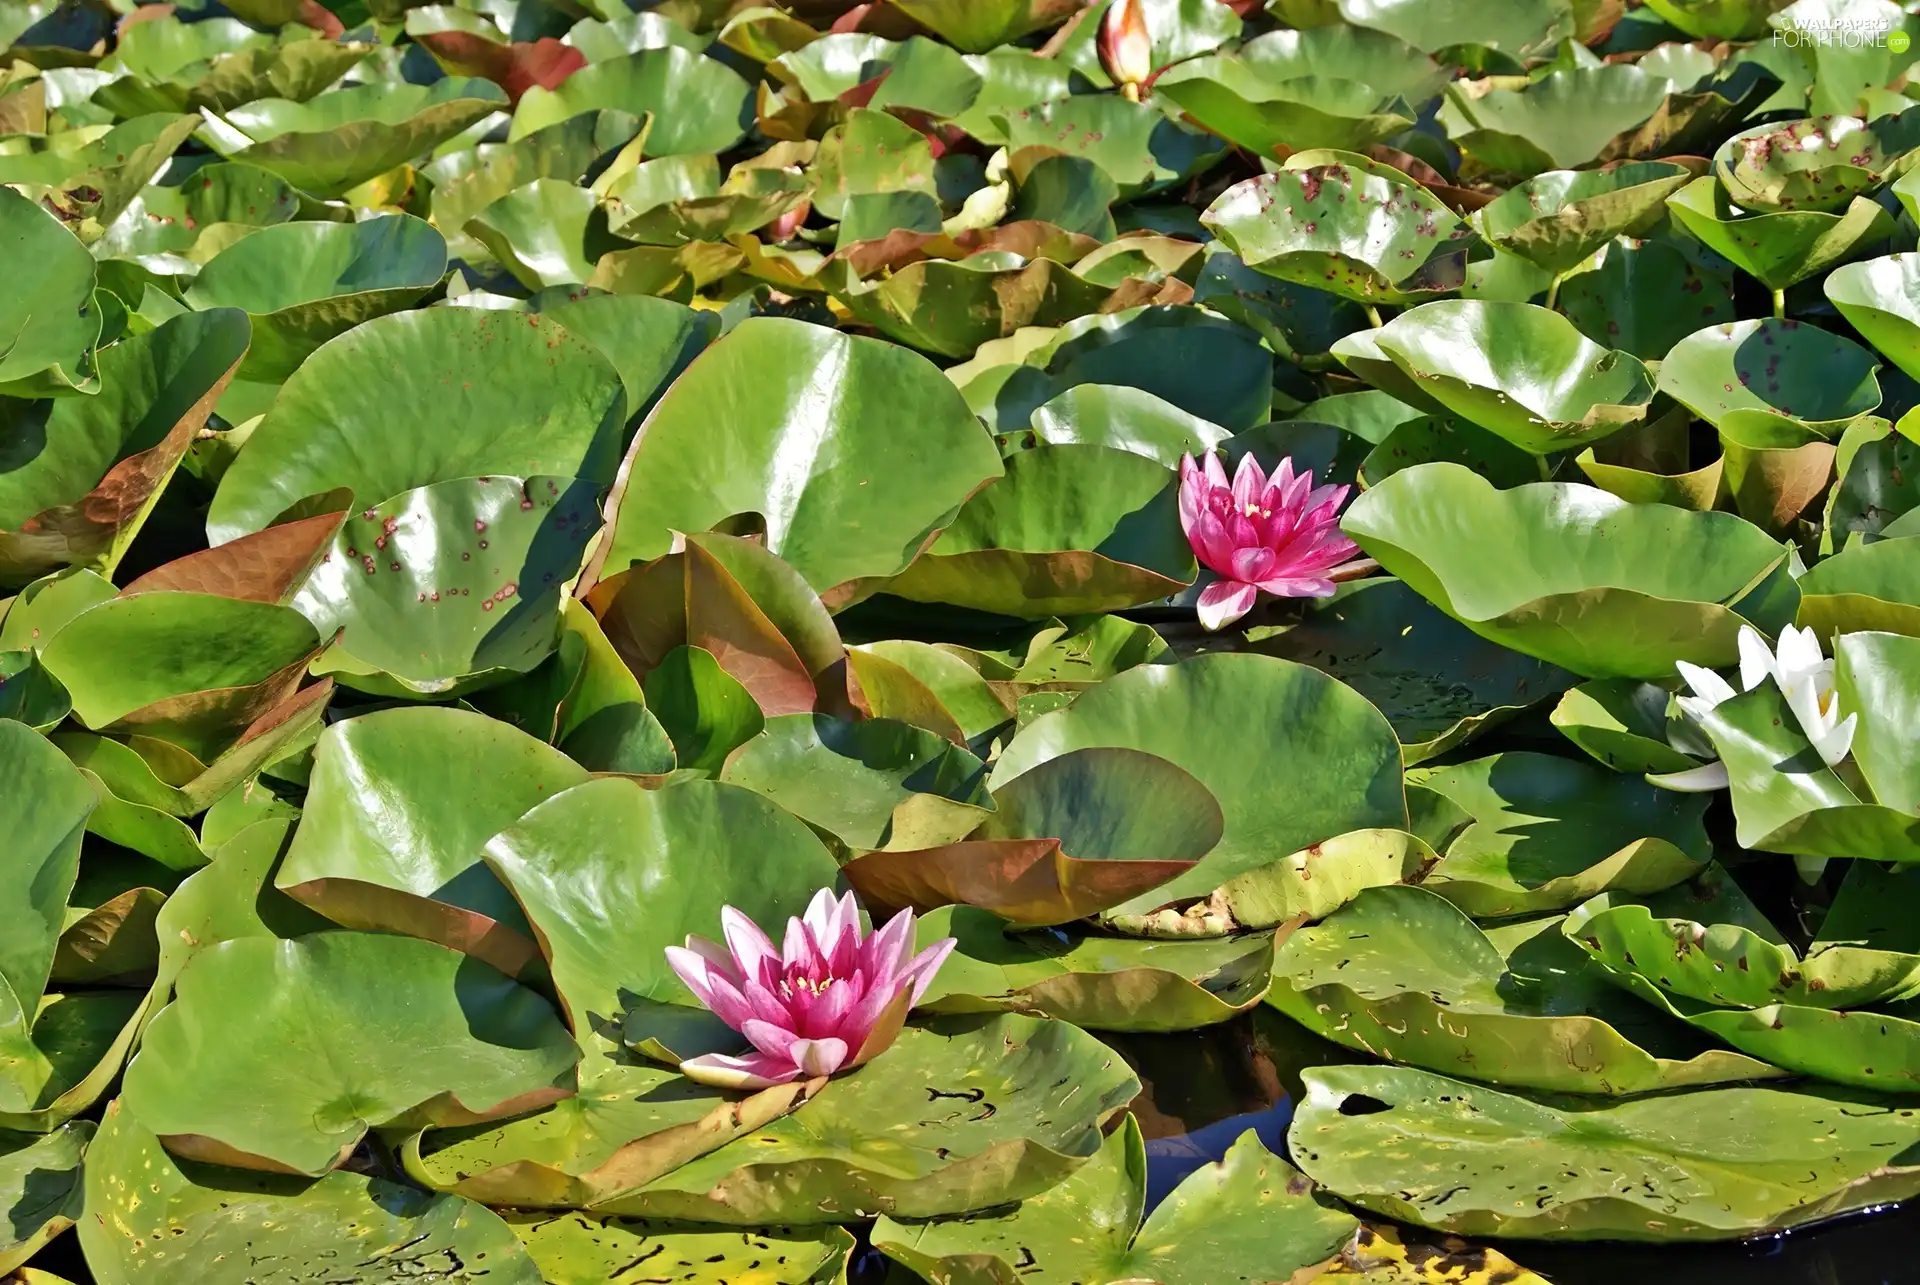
[{"x": 1202, "y": 1089}]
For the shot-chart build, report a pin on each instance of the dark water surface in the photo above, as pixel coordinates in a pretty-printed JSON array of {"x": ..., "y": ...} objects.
[{"x": 1246, "y": 1074}]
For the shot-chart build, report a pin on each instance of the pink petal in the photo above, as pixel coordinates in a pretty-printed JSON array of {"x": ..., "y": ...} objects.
[
  {"x": 819, "y": 1057},
  {"x": 1193, "y": 493},
  {"x": 1248, "y": 483},
  {"x": 728, "y": 1002},
  {"x": 1253, "y": 565},
  {"x": 1217, "y": 473},
  {"x": 883, "y": 953},
  {"x": 1300, "y": 588},
  {"x": 749, "y": 945},
  {"x": 1225, "y": 601},
  {"x": 694, "y": 969},
  {"x": 774, "y": 1041},
  {"x": 754, "y": 1071},
  {"x": 921, "y": 968},
  {"x": 1212, "y": 545}
]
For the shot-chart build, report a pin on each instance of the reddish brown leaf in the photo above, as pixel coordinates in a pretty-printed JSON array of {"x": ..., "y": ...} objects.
[{"x": 267, "y": 566}]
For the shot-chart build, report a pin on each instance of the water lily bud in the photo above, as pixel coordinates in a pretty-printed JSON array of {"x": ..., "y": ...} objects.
[{"x": 1126, "y": 46}]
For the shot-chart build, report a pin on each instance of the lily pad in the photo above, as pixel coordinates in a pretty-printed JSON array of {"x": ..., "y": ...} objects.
[
  {"x": 1864, "y": 587},
  {"x": 1598, "y": 586},
  {"x": 84, "y": 472},
  {"x": 1392, "y": 242},
  {"x": 1778, "y": 248},
  {"x": 1549, "y": 832},
  {"x": 450, "y": 586},
  {"x": 40, "y": 1179},
  {"x": 1238, "y": 100},
  {"x": 1096, "y": 981},
  {"x": 160, "y": 1224},
  {"x": 1622, "y": 724},
  {"x": 1820, "y": 163},
  {"x": 1403, "y": 975},
  {"x": 1338, "y": 771},
  {"x": 1557, "y": 219},
  {"x": 1071, "y": 837},
  {"x": 471, "y": 1045},
  {"x": 345, "y": 137},
  {"x": 1248, "y": 1217},
  {"x": 301, "y": 284},
  {"x": 1881, "y": 299},
  {"x": 1515, "y": 369},
  {"x": 910, "y": 1134},
  {"x": 1645, "y": 297},
  {"x": 48, "y": 318},
  {"x": 864, "y": 498},
  {"x": 1439, "y": 1153},
  {"x": 584, "y": 1249},
  {"x": 1560, "y": 121},
  {"x": 684, "y": 851},
  {"x": 1750, "y": 377},
  {"x": 1437, "y": 682},
  {"x": 471, "y": 393},
  {"x": 1068, "y": 529},
  {"x": 698, "y": 104},
  {"x": 400, "y": 805}
]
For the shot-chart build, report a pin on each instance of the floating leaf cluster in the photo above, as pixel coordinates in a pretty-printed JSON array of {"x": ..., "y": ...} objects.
[{"x": 1393, "y": 519}]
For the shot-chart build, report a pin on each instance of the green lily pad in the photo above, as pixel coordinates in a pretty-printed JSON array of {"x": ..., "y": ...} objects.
[
  {"x": 1876, "y": 673},
  {"x": 1240, "y": 101},
  {"x": 1558, "y": 122},
  {"x": 1068, "y": 529},
  {"x": 85, "y": 472},
  {"x": 1127, "y": 418},
  {"x": 1645, "y": 297},
  {"x": 910, "y": 1135},
  {"x": 468, "y": 393},
  {"x": 29, "y": 694},
  {"x": 347, "y": 136},
  {"x": 1549, "y": 832},
  {"x": 848, "y": 779},
  {"x": 1764, "y": 376},
  {"x": 540, "y": 232},
  {"x": 1820, "y": 163},
  {"x": 1598, "y": 586},
  {"x": 301, "y": 284},
  {"x": 1559, "y": 218},
  {"x": 1404, "y": 975},
  {"x": 684, "y": 851},
  {"x": 952, "y": 307},
  {"x": 1716, "y": 19},
  {"x": 1439, "y": 1153},
  {"x": 867, "y": 497},
  {"x": 1881, "y": 298},
  {"x": 1249, "y": 1216},
  {"x": 1372, "y": 57},
  {"x": 1071, "y": 837},
  {"x": 40, "y": 1180},
  {"x": 1515, "y": 369},
  {"x": 567, "y": 150},
  {"x": 1786, "y": 799},
  {"x": 1864, "y": 587},
  {"x": 1095, "y": 981},
  {"x": 585, "y": 1249},
  {"x": 91, "y": 185},
  {"x": 693, "y": 204},
  {"x": 1338, "y": 770},
  {"x": 1392, "y": 242},
  {"x": 351, "y": 1031},
  {"x": 1778, "y": 248},
  {"x": 698, "y": 104},
  {"x": 1879, "y": 483},
  {"x": 399, "y": 806},
  {"x": 1134, "y": 144},
  {"x": 187, "y": 667},
  {"x": 975, "y": 26},
  {"x": 450, "y": 586},
  {"x": 1437, "y": 682},
  {"x": 160, "y": 1224},
  {"x": 1517, "y": 29},
  {"x": 48, "y": 319},
  {"x": 1622, "y": 724}
]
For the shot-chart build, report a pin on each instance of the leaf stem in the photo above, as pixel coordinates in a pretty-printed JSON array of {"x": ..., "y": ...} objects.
[
  {"x": 1780, "y": 305},
  {"x": 1373, "y": 315},
  {"x": 1553, "y": 290}
]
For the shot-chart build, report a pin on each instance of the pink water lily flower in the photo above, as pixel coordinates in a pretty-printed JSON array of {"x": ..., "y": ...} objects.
[
  {"x": 831, "y": 999},
  {"x": 1280, "y": 534}
]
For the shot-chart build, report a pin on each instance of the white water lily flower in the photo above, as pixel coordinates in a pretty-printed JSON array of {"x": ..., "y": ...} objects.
[{"x": 1805, "y": 678}]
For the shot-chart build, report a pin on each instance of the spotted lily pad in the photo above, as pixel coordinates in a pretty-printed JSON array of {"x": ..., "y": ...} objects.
[
  {"x": 1558, "y": 218},
  {"x": 1753, "y": 376}
]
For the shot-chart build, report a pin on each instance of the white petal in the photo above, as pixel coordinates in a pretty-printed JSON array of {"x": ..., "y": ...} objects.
[
  {"x": 1799, "y": 651},
  {"x": 1706, "y": 684},
  {"x": 1704, "y": 779},
  {"x": 1834, "y": 742},
  {"x": 1756, "y": 658}
]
